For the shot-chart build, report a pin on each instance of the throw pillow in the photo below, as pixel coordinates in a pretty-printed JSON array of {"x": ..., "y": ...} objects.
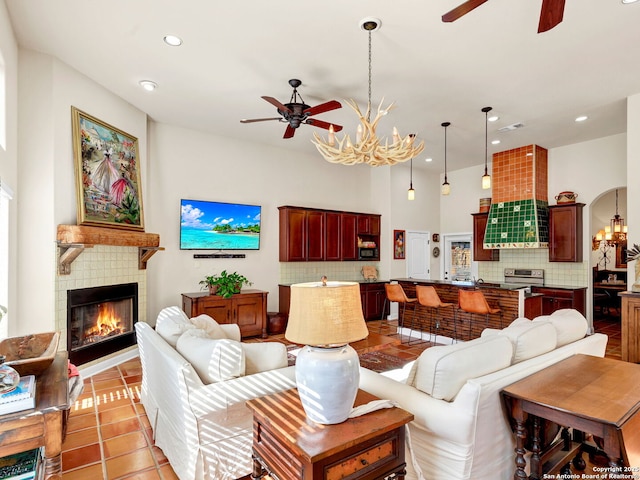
[
  {"x": 214, "y": 360},
  {"x": 264, "y": 356},
  {"x": 530, "y": 339},
  {"x": 209, "y": 325},
  {"x": 570, "y": 325},
  {"x": 172, "y": 322},
  {"x": 443, "y": 370}
]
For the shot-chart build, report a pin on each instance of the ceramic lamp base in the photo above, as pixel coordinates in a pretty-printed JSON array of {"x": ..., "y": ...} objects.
[{"x": 327, "y": 381}]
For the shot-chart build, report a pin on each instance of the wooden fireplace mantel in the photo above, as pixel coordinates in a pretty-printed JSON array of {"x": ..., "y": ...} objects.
[{"x": 73, "y": 239}]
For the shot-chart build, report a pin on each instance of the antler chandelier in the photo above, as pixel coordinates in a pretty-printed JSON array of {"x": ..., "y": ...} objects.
[{"x": 368, "y": 148}]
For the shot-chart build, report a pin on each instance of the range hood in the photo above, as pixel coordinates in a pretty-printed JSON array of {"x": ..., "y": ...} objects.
[{"x": 519, "y": 212}]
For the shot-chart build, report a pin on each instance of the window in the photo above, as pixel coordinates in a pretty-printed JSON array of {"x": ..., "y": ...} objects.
[{"x": 5, "y": 197}]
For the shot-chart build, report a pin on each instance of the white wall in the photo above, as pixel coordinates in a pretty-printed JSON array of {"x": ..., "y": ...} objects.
[
  {"x": 195, "y": 165},
  {"x": 633, "y": 174},
  {"x": 9, "y": 155},
  {"x": 46, "y": 185}
]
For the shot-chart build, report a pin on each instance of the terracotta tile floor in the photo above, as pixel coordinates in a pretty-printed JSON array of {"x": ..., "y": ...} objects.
[{"x": 109, "y": 436}]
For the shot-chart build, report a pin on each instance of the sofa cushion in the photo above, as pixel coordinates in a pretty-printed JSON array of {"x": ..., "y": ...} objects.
[
  {"x": 441, "y": 371},
  {"x": 171, "y": 323},
  {"x": 264, "y": 356},
  {"x": 530, "y": 339},
  {"x": 215, "y": 360},
  {"x": 570, "y": 325},
  {"x": 209, "y": 325}
]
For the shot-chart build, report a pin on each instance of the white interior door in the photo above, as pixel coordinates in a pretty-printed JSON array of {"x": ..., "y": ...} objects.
[
  {"x": 418, "y": 254},
  {"x": 457, "y": 258}
]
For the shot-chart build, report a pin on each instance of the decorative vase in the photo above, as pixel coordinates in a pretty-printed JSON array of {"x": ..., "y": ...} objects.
[
  {"x": 9, "y": 377},
  {"x": 636, "y": 285},
  {"x": 327, "y": 381}
]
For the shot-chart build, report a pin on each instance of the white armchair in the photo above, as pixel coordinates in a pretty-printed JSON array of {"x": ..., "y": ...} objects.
[{"x": 202, "y": 425}]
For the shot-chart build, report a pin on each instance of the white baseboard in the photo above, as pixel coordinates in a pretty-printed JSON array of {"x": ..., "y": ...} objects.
[{"x": 97, "y": 366}]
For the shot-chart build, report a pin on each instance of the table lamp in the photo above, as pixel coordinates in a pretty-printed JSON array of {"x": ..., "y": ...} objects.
[{"x": 326, "y": 317}]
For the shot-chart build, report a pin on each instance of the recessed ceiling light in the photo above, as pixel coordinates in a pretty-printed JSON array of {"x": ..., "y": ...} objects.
[
  {"x": 581, "y": 118},
  {"x": 172, "y": 40},
  {"x": 148, "y": 85},
  {"x": 495, "y": 142},
  {"x": 629, "y": 1},
  {"x": 493, "y": 118},
  {"x": 428, "y": 159}
]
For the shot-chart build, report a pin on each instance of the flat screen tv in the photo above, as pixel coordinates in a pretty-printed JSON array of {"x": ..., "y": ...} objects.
[{"x": 206, "y": 225}]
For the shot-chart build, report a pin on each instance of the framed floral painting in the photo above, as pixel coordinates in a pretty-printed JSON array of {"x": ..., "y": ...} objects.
[{"x": 108, "y": 188}]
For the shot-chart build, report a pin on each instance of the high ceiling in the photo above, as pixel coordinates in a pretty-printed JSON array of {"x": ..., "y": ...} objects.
[{"x": 234, "y": 52}]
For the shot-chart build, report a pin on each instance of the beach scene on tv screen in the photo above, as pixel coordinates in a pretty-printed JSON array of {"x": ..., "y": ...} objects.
[{"x": 208, "y": 225}]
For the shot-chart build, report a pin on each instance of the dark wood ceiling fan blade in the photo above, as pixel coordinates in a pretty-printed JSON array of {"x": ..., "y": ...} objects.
[
  {"x": 551, "y": 14},
  {"x": 277, "y": 104},
  {"x": 323, "y": 107},
  {"x": 462, "y": 9},
  {"x": 320, "y": 124},
  {"x": 251, "y": 120},
  {"x": 289, "y": 132}
]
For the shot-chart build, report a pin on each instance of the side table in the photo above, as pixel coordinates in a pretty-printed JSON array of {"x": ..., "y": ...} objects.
[
  {"x": 42, "y": 425},
  {"x": 290, "y": 447},
  {"x": 590, "y": 394}
]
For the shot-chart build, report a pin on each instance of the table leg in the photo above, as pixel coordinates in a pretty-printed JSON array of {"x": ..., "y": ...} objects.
[
  {"x": 53, "y": 445},
  {"x": 256, "y": 472},
  {"x": 535, "y": 449},
  {"x": 521, "y": 463}
]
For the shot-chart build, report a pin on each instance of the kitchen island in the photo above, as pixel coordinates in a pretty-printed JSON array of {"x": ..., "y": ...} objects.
[{"x": 509, "y": 297}]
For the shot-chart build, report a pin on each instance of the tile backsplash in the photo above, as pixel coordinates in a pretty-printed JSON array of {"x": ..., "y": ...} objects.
[
  {"x": 555, "y": 273},
  {"x": 298, "y": 272},
  {"x": 98, "y": 266}
]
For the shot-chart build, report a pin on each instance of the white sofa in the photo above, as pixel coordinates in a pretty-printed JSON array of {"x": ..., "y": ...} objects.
[
  {"x": 460, "y": 430},
  {"x": 204, "y": 427}
]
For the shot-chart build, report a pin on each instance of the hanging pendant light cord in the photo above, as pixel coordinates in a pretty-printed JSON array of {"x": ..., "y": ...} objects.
[
  {"x": 369, "y": 110},
  {"x": 486, "y": 139}
]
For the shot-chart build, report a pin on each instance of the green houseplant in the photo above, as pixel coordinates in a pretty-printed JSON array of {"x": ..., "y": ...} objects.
[{"x": 225, "y": 284}]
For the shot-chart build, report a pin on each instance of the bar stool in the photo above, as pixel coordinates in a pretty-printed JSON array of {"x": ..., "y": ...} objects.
[
  {"x": 474, "y": 302},
  {"x": 428, "y": 297},
  {"x": 395, "y": 293}
]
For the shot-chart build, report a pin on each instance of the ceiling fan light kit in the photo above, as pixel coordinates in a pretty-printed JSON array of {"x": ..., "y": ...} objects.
[{"x": 368, "y": 148}]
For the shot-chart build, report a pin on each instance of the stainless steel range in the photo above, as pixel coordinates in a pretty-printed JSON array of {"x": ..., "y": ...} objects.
[{"x": 524, "y": 276}]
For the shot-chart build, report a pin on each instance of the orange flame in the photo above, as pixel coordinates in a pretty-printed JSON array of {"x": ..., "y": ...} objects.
[{"x": 107, "y": 322}]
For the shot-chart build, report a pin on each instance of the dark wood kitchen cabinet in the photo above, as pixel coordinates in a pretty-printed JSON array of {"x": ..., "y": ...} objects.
[
  {"x": 368, "y": 224},
  {"x": 481, "y": 254},
  {"x": 333, "y": 237},
  {"x": 247, "y": 309},
  {"x": 565, "y": 232},
  {"x": 293, "y": 235},
  {"x": 373, "y": 300},
  {"x": 315, "y": 235},
  {"x": 558, "y": 298},
  {"x": 349, "y": 236}
]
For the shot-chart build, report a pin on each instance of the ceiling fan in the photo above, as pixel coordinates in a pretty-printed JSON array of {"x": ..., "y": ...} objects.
[
  {"x": 297, "y": 112},
  {"x": 550, "y": 14}
]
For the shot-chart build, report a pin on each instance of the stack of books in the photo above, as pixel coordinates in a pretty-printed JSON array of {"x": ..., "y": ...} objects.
[
  {"x": 20, "y": 398},
  {"x": 21, "y": 466}
]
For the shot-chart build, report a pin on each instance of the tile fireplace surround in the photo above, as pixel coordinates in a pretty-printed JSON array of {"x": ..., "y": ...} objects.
[{"x": 99, "y": 266}]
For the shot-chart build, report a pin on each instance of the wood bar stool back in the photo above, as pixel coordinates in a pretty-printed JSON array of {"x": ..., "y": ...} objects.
[
  {"x": 474, "y": 302},
  {"x": 428, "y": 297},
  {"x": 395, "y": 293}
]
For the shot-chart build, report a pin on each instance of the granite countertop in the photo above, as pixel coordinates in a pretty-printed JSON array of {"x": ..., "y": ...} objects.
[
  {"x": 503, "y": 286},
  {"x": 341, "y": 280}
]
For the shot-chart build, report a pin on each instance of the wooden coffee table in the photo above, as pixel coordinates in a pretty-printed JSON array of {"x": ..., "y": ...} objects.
[
  {"x": 291, "y": 447},
  {"x": 590, "y": 394}
]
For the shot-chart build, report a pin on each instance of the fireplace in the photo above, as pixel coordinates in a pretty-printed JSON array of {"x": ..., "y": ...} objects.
[{"x": 100, "y": 321}]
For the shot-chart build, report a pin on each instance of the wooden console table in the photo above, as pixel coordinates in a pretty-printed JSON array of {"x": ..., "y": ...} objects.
[
  {"x": 41, "y": 426},
  {"x": 247, "y": 309},
  {"x": 630, "y": 326},
  {"x": 590, "y": 394},
  {"x": 290, "y": 447}
]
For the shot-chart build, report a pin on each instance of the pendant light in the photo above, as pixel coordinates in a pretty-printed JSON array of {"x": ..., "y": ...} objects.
[
  {"x": 446, "y": 188},
  {"x": 411, "y": 193},
  {"x": 486, "y": 178}
]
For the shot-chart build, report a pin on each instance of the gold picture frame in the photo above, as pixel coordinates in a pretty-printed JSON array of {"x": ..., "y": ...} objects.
[{"x": 108, "y": 187}]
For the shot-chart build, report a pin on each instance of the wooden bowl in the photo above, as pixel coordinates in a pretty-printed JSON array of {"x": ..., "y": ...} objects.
[{"x": 30, "y": 354}]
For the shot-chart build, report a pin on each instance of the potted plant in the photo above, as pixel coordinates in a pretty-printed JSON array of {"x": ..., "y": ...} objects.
[
  {"x": 210, "y": 283},
  {"x": 225, "y": 284}
]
